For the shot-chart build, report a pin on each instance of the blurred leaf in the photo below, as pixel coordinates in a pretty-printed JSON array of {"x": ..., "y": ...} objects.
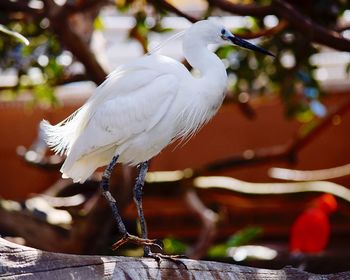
[
  {"x": 98, "y": 24},
  {"x": 44, "y": 93},
  {"x": 242, "y": 237},
  {"x": 224, "y": 51},
  {"x": 347, "y": 68},
  {"x": 305, "y": 116},
  {"x": 218, "y": 251},
  {"x": 173, "y": 246}
]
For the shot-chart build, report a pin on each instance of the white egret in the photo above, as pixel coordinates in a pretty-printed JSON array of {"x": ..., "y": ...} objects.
[{"x": 140, "y": 108}]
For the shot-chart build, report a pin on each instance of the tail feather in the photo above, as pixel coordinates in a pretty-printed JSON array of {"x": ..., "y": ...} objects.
[
  {"x": 60, "y": 137},
  {"x": 81, "y": 169}
]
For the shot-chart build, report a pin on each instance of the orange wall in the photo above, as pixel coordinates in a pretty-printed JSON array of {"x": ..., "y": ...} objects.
[{"x": 228, "y": 133}]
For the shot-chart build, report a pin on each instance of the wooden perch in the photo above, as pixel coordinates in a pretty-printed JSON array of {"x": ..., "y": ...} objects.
[{"x": 20, "y": 262}]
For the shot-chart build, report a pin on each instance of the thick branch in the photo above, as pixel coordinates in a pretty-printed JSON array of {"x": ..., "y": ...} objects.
[
  {"x": 23, "y": 262},
  {"x": 243, "y": 10},
  {"x": 310, "y": 175},
  {"x": 299, "y": 21},
  {"x": 239, "y": 186},
  {"x": 80, "y": 50},
  {"x": 342, "y": 28},
  {"x": 167, "y": 6},
  {"x": 18, "y": 6},
  {"x": 287, "y": 151},
  {"x": 265, "y": 32},
  {"x": 314, "y": 31},
  {"x": 82, "y": 6},
  {"x": 73, "y": 42}
]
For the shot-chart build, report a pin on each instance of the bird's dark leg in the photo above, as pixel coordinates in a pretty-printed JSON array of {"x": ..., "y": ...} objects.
[
  {"x": 140, "y": 180},
  {"x": 113, "y": 204},
  {"x": 107, "y": 194}
]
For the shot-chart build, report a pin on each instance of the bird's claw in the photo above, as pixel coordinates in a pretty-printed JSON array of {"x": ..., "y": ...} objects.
[
  {"x": 174, "y": 258},
  {"x": 139, "y": 241}
]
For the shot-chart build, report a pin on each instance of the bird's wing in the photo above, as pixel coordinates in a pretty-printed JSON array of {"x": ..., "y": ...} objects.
[
  {"x": 142, "y": 99},
  {"x": 122, "y": 86}
]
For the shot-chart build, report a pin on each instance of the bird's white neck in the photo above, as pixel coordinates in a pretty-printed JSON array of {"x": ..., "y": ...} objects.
[
  {"x": 207, "y": 91},
  {"x": 206, "y": 62}
]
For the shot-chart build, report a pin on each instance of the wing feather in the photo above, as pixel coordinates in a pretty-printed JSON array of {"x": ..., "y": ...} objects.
[{"x": 123, "y": 116}]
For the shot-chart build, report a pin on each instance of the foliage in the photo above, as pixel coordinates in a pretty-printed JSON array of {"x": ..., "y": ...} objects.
[
  {"x": 291, "y": 75},
  {"x": 174, "y": 246},
  {"x": 37, "y": 64},
  {"x": 242, "y": 237}
]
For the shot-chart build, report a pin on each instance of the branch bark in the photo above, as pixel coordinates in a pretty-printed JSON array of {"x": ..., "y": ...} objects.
[
  {"x": 286, "y": 11},
  {"x": 166, "y": 5},
  {"x": 314, "y": 31},
  {"x": 283, "y": 24},
  {"x": 18, "y": 6},
  {"x": 73, "y": 42},
  {"x": 242, "y": 10},
  {"x": 209, "y": 220},
  {"x": 19, "y": 262}
]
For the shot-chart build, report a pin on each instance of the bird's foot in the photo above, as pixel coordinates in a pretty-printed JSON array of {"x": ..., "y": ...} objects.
[
  {"x": 137, "y": 240},
  {"x": 173, "y": 258}
]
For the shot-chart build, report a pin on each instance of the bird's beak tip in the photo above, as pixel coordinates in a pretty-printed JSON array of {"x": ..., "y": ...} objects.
[
  {"x": 245, "y": 44},
  {"x": 271, "y": 54}
]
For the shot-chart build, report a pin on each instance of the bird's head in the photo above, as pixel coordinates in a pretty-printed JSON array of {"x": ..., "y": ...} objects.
[{"x": 215, "y": 33}]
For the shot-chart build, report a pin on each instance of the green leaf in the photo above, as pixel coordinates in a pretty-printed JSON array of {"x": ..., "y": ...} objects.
[
  {"x": 218, "y": 251},
  {"x": 242, "y": 237},
  {"x": 173, "y": 246},
  {"x": 99, "y": 24}
]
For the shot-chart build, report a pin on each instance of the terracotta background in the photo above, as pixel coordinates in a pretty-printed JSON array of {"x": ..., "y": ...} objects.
[{"x": 230, "y": 132}]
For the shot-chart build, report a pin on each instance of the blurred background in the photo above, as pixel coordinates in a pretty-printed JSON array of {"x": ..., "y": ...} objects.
[{"x": 265, "y": 183}]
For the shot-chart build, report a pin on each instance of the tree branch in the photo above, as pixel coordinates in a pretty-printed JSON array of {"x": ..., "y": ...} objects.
[
  {"x": 29, "y": 263},
  {"x": 209, "y": 220},
  {"x": 265, "y": 32},
  {"x": 82, "y": 6},
  {"x": 314, "y": 31},
  {"x": 242, "y": 10},
  {"x": 73, "y": 42},
  {"x": 287, "y": 151},
  {"x": 309, "y": 175},
  {"x": 342, "y": 28},
  {"x": 18, "y": 6},
  {"x": 167, "y": 6},
  {"x": 299, "y": 21}
]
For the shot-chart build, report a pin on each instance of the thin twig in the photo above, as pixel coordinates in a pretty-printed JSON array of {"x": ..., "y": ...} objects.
[
  {"x": 265, "y": 32},
  {"x": 342, "y": 28},
  {"x": 310, "y": 175},
  {"x": 166, "y": 5},
  {"x": 243, "y": 10},
  {"x": 284, "y": 152},
  {"x": 82, "y": 6},
  {"x": 209, "y": 221},
  {"x": 299, "y": 21}
]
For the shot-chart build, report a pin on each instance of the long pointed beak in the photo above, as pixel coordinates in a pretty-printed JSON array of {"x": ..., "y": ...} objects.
[{"x": 244, "y": 44}]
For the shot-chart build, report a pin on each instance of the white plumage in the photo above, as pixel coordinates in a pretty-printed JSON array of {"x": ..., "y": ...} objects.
[{"x": 142, "y": 106}]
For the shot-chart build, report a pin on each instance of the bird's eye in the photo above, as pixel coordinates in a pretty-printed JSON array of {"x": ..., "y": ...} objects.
[{"x": 223, "y": 31}]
